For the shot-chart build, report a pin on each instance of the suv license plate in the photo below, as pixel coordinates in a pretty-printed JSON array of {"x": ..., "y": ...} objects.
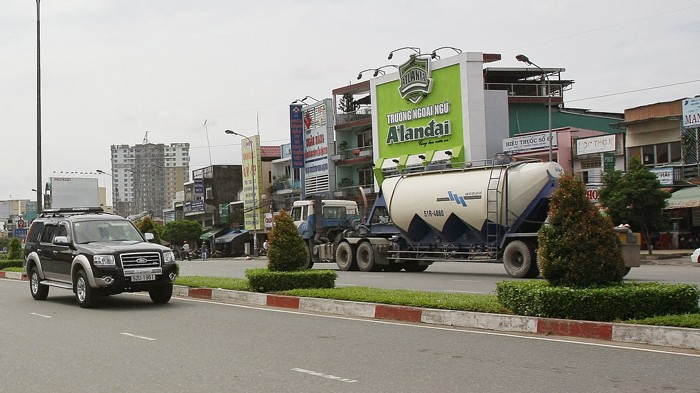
[{"x": 143, "y": 277}]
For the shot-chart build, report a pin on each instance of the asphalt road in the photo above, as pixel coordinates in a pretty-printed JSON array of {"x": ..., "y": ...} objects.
[
  {"x": 442, "y": 277},
  {"x": 129, "y": 344}
]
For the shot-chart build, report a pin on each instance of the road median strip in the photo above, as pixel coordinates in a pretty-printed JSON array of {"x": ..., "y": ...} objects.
[{"x": 617, "y": 332}]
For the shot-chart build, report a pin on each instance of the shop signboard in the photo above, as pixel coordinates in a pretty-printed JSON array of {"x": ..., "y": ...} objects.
[
  {"x": 596, "y": 144},
  {"x": 691, "y": 112},
  {"x": 529, "y": 142},
  {"x": 252, "y": 181},
  {"x": 664, "y": 175},
  {"x": 608, "y": 162},
  {"x": 420, "y": 111},
  {"x": 593, "y": 192},
  {"x": 296, "y": 135},
  {"x": 316, "y": 135}
]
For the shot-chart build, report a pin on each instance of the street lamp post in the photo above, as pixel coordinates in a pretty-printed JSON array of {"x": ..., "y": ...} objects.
[
  {"x": 39, "y": 202},
  {"x": 255, "y": 211},
  {"x": 525, "y": 59}
]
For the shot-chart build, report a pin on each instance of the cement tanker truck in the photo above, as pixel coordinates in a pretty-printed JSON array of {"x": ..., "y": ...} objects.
[{"x": 488, "y": 213}]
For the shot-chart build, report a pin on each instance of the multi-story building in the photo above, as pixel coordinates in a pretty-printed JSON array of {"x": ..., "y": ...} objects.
[{"x": 146, "y": 177}]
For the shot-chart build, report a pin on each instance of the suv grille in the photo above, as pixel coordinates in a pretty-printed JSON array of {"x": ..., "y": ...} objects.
[{"x": 140, "y": 260}]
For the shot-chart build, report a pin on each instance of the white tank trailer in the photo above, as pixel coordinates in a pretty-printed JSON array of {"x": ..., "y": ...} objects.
[{"x": 488, "y": 213}]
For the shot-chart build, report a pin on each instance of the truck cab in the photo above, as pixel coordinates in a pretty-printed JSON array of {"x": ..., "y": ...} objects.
[
  {"x": 335, "y": 213},
  {"x": 322, "y": 235}
]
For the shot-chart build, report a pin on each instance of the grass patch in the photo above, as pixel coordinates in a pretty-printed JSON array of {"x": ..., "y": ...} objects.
[
  {"x": 685, "y": 321},
  {"x": 13, "y": 269},
  {"x": 401, "y": 297},
  {"x": 234, "y": 284}
]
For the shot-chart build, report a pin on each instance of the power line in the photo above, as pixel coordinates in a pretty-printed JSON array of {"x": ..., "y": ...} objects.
[{"x": 634, "y": 91}]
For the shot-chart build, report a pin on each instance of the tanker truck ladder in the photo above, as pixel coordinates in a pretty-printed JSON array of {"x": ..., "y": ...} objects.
[{"x": 493, "y": 207}]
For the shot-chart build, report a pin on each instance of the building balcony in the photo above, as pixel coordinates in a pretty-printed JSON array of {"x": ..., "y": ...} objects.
[
  {"x": 355, "y": 155},
  {"x": 286, "y": 186},
  {"x": 362, "y": 116}
]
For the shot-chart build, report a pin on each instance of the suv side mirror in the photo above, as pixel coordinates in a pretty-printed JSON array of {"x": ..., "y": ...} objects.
[
  {"x": 61, "y": 241},
  {"x": 149, "y": 236}
]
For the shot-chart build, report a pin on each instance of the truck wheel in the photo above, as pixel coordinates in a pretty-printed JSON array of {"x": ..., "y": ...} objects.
[
  {"x": 161, "y": 294},
  {"x": 39, "y": 292},
  {"x": 365, "y": 258},
  {"x": 518, "y": 259},
  {"x": 86, "y": 296},
  {"x": 624, "y": 272},
  {"x": 309, "y": 263},
  {"x": 343, "y": 257}
]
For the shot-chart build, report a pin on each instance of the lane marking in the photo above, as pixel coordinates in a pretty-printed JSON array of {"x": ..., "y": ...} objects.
[
  {"x": 137, "y": 336},
  {"x": 322, "y": 375},
  {"x": 450, "y": 328},
  {"x": 40, "y": 315}
]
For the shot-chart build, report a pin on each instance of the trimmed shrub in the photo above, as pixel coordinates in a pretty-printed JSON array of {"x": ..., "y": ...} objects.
[
  {"x": 5, "y": 263},
  {"x": 14, "y": 249},
  {"x": 288, "y": 251},
  {"x": 264, "y": 280},
  {"x": 578, "y": 246},
  {"x": 605, "y": 303}
]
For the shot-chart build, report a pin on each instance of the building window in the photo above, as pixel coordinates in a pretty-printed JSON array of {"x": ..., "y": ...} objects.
[
  {"x": 659, "y": 154},
  {"x": 364, "y": 138},
  {"x": 648, "y": 155},
  {"x": 662, "y": 153},
  {"x": 366, "y": 177},
  {"x": 675, "y": 148}
]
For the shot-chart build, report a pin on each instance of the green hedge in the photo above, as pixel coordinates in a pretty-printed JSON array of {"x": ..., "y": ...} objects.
[
  {"x": 264, "y": 280},
  {"x": 607, "y": 303},
  {"x": 5, "y": 263}
]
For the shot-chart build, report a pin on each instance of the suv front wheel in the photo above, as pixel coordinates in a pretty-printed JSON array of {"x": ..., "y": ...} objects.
[
  {"x": 86, "y": 296},
  {"x": 39, "y": 292},
  {"x": 161, "y": 294}
]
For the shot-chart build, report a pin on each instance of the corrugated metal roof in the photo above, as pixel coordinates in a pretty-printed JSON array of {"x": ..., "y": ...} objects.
[{"x": 685, "y": 197}]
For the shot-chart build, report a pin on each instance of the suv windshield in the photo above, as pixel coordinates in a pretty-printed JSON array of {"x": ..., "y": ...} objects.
[{"x": 105, "y": 231}]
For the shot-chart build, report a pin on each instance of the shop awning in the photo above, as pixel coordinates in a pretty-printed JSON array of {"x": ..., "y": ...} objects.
[
  {"x": 683, "y": 198},
  {"x": 213, "y": 233},
  {"x": 227, "y": 238}
]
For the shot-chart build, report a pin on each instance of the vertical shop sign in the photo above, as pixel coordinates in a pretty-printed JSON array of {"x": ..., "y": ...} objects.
[
  {"x": 608, "y": 162},
  {"x": 296, "y": 135}
]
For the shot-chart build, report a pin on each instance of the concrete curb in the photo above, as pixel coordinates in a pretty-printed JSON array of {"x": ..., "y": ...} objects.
[{"x": 616, "y": 332}]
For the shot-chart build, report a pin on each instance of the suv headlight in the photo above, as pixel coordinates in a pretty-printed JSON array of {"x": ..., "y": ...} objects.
[
  {"x": 168, "y": 257},
  {"x": 103, "y": 260}
]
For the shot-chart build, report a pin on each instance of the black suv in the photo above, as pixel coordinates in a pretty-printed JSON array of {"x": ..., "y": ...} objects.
[{"x": 95, "y": 254}]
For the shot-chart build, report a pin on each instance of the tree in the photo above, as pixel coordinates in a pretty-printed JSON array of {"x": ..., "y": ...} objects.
[
  {"x": 180, "y": 230},
  {"x": 635, "y": 198},
  {"x": 578, "y": 246},
  {"x": 146, "y": 224},
  {"x": 347, "y": 103},
  {"x": 287, "y": 249}
]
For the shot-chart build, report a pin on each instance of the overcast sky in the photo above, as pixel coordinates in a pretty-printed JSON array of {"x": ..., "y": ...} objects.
[{"x": 114, "y": 69}]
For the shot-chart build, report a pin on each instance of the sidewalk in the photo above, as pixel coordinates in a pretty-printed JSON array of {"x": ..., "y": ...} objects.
[{"x": 616, "y": 332}]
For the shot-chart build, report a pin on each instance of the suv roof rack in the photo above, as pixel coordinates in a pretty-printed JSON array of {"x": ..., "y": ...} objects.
[{"x": 65, "y": 211}]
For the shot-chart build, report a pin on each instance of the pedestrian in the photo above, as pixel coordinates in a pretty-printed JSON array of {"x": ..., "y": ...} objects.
[
  {"x": 186, "y": 251},
  {"x": 205, "y": 251},
  {"x": 265, "y": 247}
]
